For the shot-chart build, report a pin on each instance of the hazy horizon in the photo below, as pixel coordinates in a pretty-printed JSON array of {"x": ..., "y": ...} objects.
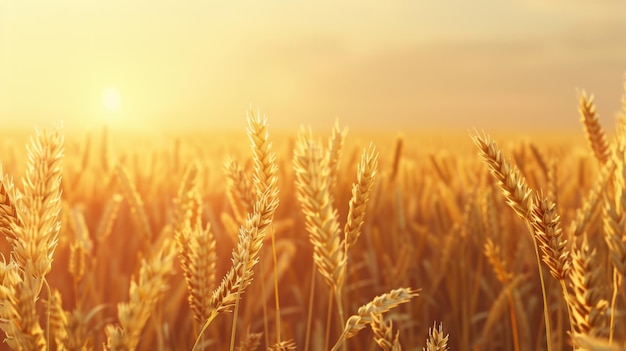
[{"x": 430, "y": 65}]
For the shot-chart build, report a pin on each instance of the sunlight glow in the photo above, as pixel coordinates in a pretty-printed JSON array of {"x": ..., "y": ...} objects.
[{"x": 111, "y": 99}]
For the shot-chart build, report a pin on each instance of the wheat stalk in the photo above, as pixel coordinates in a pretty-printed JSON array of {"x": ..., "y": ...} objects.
[
  {"x": 397, "y": 156},
  {"x": 589, "y": 343},
  {"x": 518, "y": 196},
  {"x": 498, "y": 308}
]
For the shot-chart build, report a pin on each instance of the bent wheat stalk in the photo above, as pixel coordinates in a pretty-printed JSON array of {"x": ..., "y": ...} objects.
[
  {"x": 518, "y": 196},
  {"x": 380, "y": 304},
  {"x": 245, "y": 257}
]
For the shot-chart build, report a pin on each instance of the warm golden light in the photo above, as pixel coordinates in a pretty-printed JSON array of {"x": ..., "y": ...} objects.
[
  {"x": 381, "y": 67},
  {"x": 111, "y": 99}
]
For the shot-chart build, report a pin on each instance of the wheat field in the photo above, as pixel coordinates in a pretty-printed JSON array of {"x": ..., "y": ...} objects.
[{"x": 314, "y": 241}]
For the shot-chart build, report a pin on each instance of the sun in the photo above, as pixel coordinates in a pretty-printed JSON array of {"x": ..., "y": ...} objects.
[{"x": 111, "y": 99}]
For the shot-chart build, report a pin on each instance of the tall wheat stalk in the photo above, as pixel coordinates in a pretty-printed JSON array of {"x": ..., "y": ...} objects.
[
  {"x": 312, "y": 170},
  {"x": 31, "y": 224},
  {"x": 265, "y": 181},
  {"x": 518, "y": 196},
  {"x": 245, "y": 257}
]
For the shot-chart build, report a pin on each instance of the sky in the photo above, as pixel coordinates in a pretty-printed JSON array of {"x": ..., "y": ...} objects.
[{"x": 431, "y": 65}]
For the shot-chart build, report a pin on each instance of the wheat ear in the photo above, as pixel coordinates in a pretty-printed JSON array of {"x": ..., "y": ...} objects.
[
  {"x": 58, "y": 320},
  {"x": 18, "y": 312},
  {"x": 592, "y": 203},
  {"x": 8, "y": 212},
  {"x": 587, "y": 305},
  {"x": 144, "y": 294},
  {"x": 512, "y": 184},
  {"x": 265, "y": 182},
  {"x": 492, "y": 252},
  {"x": 335, "y": 147},
  {"x": 239, "y": 189},
  {"x": 593, "y": 129},
  {"x": 70, "y": 330},
  {"x": 549, "y": 236},
  {"x": 187, "y": 226},
  {"x": 105, "y": 225},
  {"x": 383, "y": 333},
  {"x": 288, "y": 345},
  {"x": 265, "y": 168},
  {"x": 361, "y": 190},
  {"x": 198, "y": 258},
  {"x": 250, "y": 342},
  {"x": 37, "y": 236},
  {"x": 322, "y": 223},
  {"x": 436, "y": 341},
  {"x": 245, "y": 257},
  {"x": 136, "y": 203},
  {"x": 188, "y": 203},
  {"x": 380, "y": 304},
  {"x": 614, "y": 221},
  {"x": 614, "y": 214}
]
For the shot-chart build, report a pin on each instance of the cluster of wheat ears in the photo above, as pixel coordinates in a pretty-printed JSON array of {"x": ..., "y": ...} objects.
[{"x": 319, "y": 245}]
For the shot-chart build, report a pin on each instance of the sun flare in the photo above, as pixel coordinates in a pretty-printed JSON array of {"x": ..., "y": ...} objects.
[{"x": 111, "y": 99}]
